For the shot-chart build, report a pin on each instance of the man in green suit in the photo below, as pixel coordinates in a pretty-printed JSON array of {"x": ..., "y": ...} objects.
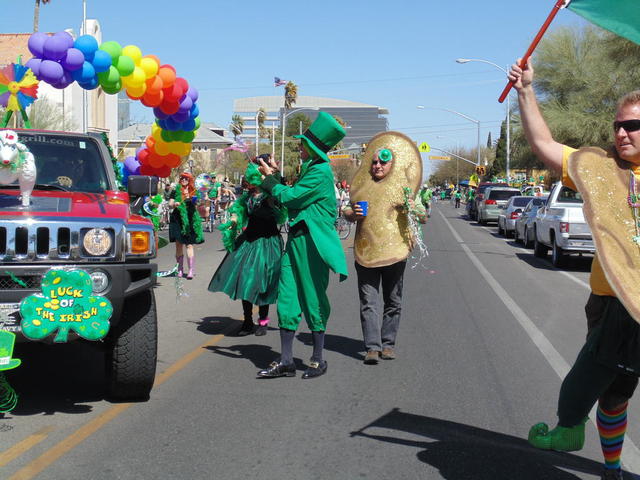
[{"x": 313, "y": 246}]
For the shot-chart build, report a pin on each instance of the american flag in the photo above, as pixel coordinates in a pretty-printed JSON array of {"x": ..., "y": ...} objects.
[{"x": 277, "y": 82}]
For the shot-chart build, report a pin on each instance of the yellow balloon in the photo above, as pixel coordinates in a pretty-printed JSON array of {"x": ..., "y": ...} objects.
[
  {"x": 149, "y": 66},
  {"x": 136, "y": 79},
  {"x": 133, "y": 52},
  {"x": 162, "y": 148},
  {"x": 137, "y": 92},
  {"x": 175, "y": 148},
  {"x": 155, "y": 129},
  {"x": 186, "y": 149}
]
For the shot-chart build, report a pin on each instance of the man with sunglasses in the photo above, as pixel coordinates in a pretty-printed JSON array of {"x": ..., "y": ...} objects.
[
  {"x": 608, "y": 366},
  {"x": 384, "y": 266}
]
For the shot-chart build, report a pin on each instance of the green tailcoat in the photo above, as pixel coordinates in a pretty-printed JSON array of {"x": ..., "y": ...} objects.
[{"x": 312, "y": 200}]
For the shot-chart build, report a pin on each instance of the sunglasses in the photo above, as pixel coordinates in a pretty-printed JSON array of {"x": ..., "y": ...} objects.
[
  {"x": 628, "y": 125},
  {"x": 378, "y": 162}
]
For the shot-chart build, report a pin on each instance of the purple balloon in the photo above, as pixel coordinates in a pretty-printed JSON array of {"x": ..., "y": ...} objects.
[
  {"x": 131, "y": 165},
  {"x": 55, "y": 48},
  {"x": 50, "y": 71},
  {"x": 73, "y": 60},
  {"x": 36, "y": 43},
  {"x": 160, "y": 115},
  {"x": 34, "y": 65},
  {"x": 65, "y": 81},
  {"x": 185, "y": 104},
  {"x": 66, "y": 37},
  {"x": 180, "y": 117},
  {"x": 193, "y": 94}
]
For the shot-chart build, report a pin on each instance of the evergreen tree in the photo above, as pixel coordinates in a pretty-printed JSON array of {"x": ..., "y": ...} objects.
[
  {"x": 498, "y": 168},
  {"x": 489, "y": 142}
]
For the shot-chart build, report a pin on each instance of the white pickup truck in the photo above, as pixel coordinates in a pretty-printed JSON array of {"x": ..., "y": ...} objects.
[{"x": 561, "y": 227}]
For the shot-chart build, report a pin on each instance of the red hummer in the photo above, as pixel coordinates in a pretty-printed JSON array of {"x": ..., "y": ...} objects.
[{"x": 78, "y": 219}]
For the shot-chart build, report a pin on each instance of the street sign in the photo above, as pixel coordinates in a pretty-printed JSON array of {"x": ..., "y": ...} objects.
[
  {"x": 340, "y": 156},
  {"x": 424, "y": 147},
  {"x": 438, "y": 157}
]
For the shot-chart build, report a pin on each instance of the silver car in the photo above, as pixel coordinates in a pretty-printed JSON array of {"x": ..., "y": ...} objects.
[
  {"x": 494, "y": 197},
  {"x": 510, "y": 213},
  {"x": 524, "y": 225}
]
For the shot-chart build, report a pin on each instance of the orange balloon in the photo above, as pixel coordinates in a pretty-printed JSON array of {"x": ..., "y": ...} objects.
[
  {"x": 168, "y": 75},
  {"x": 155, "y": 85},
  {"x": 150, "y": 142}
]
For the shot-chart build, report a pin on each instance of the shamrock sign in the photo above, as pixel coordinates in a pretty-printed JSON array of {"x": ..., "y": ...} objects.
[{"x": 66, "y": 303}]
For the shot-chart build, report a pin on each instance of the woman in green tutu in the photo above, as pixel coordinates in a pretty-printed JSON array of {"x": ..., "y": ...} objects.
[{"x": 251, "y": 269}]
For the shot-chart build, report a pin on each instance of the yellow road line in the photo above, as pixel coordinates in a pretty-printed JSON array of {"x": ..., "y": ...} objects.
[
  {"x": 69, "y": 443},
  {"x": 24, "y": 446}
]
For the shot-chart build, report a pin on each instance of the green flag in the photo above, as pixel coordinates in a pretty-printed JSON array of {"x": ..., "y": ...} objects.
[{"x": 621, "y": 17}]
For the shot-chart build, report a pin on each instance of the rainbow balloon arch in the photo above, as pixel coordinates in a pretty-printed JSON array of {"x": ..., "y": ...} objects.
[{"x": 59, "y": 60}]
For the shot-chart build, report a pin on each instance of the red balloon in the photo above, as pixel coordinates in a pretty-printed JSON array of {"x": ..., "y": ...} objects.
[
  {"x": 151, "y": 100},
  {"x": 182, "y": 83},
  {"x": 143, "y": 156},
  {"x": 168, "y": 107},
  {"x": 172, "y": 160},
  {"x": 156, "y": 161},
  {"x": 174, "y": 93},
  {"x": 147, "y": 170},
  {"x": 163, "y": 172}
]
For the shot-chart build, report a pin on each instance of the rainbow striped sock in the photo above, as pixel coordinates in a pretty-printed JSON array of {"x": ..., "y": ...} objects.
[{"x": 612, "y": 425}]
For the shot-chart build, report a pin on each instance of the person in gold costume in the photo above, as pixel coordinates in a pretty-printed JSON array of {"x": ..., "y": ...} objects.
[{"x": 385, "y": 185}]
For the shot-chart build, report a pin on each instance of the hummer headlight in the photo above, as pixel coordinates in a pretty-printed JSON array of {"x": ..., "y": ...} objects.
[{"x": 97, "y": 242}]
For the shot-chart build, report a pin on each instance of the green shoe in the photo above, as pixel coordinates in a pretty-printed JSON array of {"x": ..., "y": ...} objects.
[{"x": 561, "y": 439}]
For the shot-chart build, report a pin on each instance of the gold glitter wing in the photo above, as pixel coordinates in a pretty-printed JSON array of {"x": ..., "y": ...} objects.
[
  {"x": 383, "y": 237},
  {"x": 603, "y": 181}
]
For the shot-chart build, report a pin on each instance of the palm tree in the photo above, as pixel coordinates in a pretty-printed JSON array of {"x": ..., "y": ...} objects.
[
  {"x": 290, "y": 95},
  {"x": 237, "y": 125},
  {"x": 261, "y": 117},
  {"x": 36, "y": 13}
]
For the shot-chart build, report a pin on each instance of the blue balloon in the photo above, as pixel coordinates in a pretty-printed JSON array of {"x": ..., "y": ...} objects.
[
  {"x": 90, "y": 84},
  {"x": 101, "y": 61},
  {"x": 188, "y": 126},
  {"x": 159, "y": 114},
  {"x": 195, "y": 111},
  {"x": 163, "y": 124},
  {"x": 84, "y": 74},
  {"x": 88, "y": 45},
  {"x": 172, "y": 124},
  {"x": 180, "y": 117}
]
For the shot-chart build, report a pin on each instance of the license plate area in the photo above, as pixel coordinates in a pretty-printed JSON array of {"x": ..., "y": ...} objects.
[{"x": 10, "y": 317}]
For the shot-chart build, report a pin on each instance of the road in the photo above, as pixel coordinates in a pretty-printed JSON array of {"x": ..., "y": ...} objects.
[{"x": 487, "y": 333}]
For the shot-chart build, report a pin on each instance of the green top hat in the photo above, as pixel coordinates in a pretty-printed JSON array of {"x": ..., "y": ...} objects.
[
  {"x": 323, "y": 134},
  {"x": 7, "y": 339}
]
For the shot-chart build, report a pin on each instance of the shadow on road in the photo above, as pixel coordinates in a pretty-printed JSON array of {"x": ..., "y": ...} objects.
[
  {"x": 260, "y": 355},
  {"x": 349, "y": 347},
  {"x": 574, "y": 263},
  {"x": 214, "y": 325},
  {"x": 57, "y": 378},
  {"x": 461, "y": 451}
]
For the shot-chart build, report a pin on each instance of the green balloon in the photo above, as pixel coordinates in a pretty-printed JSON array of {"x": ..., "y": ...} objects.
[
  {"x": 112, "y": 48},
  {"x": 110, "y": 77},
  {"x": 188, "y": 137},
  {"x": 112, "y": 89},
  {"x": 166, "y": 135},
  {"x": 125, "y": 65},
  {"x": 197, "y": 123}
]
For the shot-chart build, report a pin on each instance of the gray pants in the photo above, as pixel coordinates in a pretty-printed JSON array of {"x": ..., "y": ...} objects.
[{"x": 376, "y": 336}]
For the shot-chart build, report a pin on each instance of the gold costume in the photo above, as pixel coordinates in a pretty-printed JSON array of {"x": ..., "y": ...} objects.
[
  {"x": 383, "y": 237},
  {"x": 603, "y": 180}
]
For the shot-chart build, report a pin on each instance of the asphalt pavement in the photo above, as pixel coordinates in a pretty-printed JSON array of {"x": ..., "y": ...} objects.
[{"x": 487, "y": 331}]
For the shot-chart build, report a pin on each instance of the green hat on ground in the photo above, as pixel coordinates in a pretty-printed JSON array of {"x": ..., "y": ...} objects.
[
  {"x": 7, "y": 340},
  {"x": 323, "y": 134}
]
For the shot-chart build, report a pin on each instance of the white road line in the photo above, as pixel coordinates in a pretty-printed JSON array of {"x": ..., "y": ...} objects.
[{"x": 560, "y": 366}]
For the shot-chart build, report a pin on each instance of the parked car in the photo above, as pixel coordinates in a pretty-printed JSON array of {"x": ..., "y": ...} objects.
[
  {"x": 510, "y": 213},
  {"x": 523, "y": 232},
  {"x": 494, "y": 198},
  {"x": 472, "y": 207},
  {"x": 561, "y": 227}
]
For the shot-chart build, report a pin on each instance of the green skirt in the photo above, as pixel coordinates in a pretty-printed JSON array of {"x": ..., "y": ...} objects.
[{"x": 251, "y": 272}]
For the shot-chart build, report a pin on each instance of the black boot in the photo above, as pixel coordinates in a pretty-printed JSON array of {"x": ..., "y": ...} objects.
[{"x": 247, "y": 325}]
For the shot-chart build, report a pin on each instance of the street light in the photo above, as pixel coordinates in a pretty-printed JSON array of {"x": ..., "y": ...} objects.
[
  {"x": 284, "y": 119},
  {"x": 458, "y": 152},
  {"x": 467, "y": 60},
  {"x": 477, "y": 122}
]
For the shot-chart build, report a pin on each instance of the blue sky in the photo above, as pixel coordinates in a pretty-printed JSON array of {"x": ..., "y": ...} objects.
[{"x": 394, "y": 54}]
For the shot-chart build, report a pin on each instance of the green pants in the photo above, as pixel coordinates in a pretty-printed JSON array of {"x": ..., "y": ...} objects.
[{"x": 304, "y": 278}]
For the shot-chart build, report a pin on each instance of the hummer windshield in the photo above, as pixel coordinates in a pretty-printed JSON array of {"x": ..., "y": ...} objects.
[{"x": 66, "y": 162}]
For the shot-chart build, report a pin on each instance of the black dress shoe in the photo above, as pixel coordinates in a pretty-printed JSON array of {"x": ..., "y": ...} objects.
[
  {"x": 243, "y": 332},
  {"x": 261, "y": 330},
  {"x": 278, "y": 369},
  {"x": 315, "y": 370}
]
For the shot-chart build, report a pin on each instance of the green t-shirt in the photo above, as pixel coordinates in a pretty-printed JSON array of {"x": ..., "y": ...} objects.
[{"x": 213, "y": 193}]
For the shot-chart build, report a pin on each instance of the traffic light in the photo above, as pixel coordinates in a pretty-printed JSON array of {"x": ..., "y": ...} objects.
[{"x": 480, "y": 170}]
